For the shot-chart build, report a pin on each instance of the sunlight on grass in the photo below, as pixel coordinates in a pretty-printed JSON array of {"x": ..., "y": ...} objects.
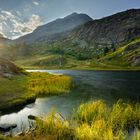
[
  {"x": 48, "y": 84},
  {"x": 21, "y": 90},
  {"x": 54, "y": 128},
  {"x": 92, "y": 121},
  {"x": 102, "y": 121},
  {"x": 90, "y": 112}
]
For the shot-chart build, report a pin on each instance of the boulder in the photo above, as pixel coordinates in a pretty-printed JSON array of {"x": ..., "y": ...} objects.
[
  {"x": 32, "y": 117},
  {"x": 57, "y": 116},
  {"x": 7, "y": 127}
]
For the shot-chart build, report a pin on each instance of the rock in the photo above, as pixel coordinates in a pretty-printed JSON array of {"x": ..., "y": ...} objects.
[
  {"x": 19, "y": 134},
  {"x": 9, "y": 69},
  {"x": 32, "y": 117},
  {"x": 136, "y": 61},
  {"x": 59, "y": 117},
  {"x": 7, "y": 75},
  {"x": 7, "y": 127}
]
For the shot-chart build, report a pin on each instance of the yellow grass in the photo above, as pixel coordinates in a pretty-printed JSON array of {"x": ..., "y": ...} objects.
[
  {"x": 92, "y": 121},
  {"x": 48, "y": 84}
]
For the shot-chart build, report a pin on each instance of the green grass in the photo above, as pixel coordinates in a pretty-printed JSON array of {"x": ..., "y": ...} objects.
[
  {"x": 120, "y": 59},
  {"x": 48, "y": 59},
  {"x": 91, "y": 121},
  {"x": 51, "y": 62},
  {"x": 13, "y": 91},
  {"x": 41, "y": 60},
  {"x": 23, "y": 89}
]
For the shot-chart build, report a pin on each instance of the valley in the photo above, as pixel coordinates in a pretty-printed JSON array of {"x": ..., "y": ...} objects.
[
  {"x": 88, "y": 44},
  {"x": 72, "y": 78}
]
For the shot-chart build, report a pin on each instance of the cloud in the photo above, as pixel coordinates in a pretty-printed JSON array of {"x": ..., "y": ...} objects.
[
  {"x": 34, "y": 21},
  {"x": 7, "y": 13},
  {"x": 18, "y": 13},
  {"x": 35, "y": 3},
  {"x": 12, "y": 26}
]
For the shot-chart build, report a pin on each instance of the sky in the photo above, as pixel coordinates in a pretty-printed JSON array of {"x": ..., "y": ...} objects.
[{"x": 20, "y": 17}]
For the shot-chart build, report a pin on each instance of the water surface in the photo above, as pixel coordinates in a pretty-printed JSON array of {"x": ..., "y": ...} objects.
[{"x": 93, "y": 85}]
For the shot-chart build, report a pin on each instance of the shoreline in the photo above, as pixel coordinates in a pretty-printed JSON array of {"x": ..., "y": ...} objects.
[
  {"x": 20, "y": 103},
  {"x": 15, "y": 107},
  {"x": 29, "y": 88},
  {"x": 89, "y": 69}
]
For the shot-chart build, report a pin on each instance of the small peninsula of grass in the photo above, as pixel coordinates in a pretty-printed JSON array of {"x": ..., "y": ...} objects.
[
  {"x": 91, "y": 121},
  {"x": 48, "y": 84},
  {"x": 20, "y": 90}
]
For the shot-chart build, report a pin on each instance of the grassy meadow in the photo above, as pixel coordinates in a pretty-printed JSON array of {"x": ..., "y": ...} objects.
[
  {"x": 91, "y": 121},
  {"x": 23, "y": 89},
  {"x": 122, "y": 57}
]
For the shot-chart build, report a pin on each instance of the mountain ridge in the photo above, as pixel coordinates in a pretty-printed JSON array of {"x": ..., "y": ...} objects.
[
  {"x": 59, "y": 25},
  {"x": 91, "y": 41}
]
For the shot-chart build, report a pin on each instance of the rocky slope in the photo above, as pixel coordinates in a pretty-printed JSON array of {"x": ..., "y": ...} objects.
[
  {"x": 8, "y": 69},
  {"x": 118, "y": 28},
  {"x": 126, "y": 56}
]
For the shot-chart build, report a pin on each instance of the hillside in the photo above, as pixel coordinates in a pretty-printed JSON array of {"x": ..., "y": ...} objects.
[
  {"x": 83, "y": 46},
  {"x": 4, "y": 41},
  {"x": 126, "y": 56},
  {"x": 57, "y": 26},
  {"x": 8, "y": 69}
]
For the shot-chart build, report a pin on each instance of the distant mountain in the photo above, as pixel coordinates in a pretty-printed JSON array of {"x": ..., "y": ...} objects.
[
  {"x": 55, "y": 27},
  {"x": 112, "y": 30},
  {"x": 111, "y": 41}
]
